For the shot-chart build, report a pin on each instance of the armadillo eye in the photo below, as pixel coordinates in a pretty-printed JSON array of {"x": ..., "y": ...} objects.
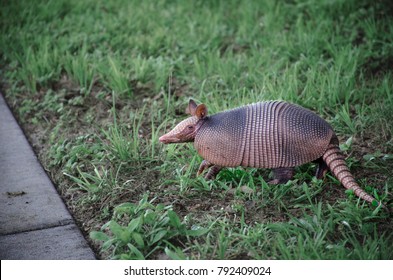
[{"x": 190, "y": 127}]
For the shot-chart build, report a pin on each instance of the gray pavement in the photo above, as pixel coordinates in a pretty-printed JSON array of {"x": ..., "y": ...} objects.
[{"x": 34, "y": 222}]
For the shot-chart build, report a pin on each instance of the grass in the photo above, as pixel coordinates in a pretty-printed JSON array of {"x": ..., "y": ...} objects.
[{"x": 95, "y": 83}]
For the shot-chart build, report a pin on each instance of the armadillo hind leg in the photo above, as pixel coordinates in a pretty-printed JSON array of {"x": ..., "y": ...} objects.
[
  {"x": 213, "y": 171},
  {"x": 321, "y": 169},
  {"x": 282, "y": 175}
]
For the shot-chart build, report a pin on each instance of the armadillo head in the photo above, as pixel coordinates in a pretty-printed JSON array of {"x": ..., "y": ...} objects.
[{"x": 186, "y": 130}]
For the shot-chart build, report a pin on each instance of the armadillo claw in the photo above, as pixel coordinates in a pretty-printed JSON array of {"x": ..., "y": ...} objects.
[
  {"x": 204, "y": 165},
  {"x": 274, "y": 182}
]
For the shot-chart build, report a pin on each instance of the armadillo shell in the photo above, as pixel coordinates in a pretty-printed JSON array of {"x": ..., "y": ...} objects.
[{"x": 263, "y": 135}]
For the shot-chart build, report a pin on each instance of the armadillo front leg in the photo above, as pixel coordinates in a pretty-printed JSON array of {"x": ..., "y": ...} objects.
[
  {"x": 204, "y": 165},
  {"x": 211, "y": 174},
  {"x": 282, "y": 175}
]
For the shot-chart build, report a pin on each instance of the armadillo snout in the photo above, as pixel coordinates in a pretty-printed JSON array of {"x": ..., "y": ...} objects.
[
  {"x": 162, "y": 139},
  {"x": 167, "y": 139}
]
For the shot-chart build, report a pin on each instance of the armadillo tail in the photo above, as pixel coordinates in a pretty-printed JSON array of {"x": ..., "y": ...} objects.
[{"x": 337, "y": 165}]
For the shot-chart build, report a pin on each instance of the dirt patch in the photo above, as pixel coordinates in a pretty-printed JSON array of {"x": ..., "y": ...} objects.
[{"x": 378, "y": 66}]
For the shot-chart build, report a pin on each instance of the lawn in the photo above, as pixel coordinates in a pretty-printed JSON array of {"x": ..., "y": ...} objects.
[{"x": 95, "y": 83}]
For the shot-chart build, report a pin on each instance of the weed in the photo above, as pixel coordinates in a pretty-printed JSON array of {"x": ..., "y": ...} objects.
[{"x": 146, "y": 229}]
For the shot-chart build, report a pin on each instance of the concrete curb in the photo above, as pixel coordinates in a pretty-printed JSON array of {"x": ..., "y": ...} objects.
[{"x": 34, "y": 222}]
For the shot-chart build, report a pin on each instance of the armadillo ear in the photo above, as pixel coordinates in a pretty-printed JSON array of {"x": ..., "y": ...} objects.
[
  {"x": 191, "y": 108},
  {"x": 201, "y": 111}
]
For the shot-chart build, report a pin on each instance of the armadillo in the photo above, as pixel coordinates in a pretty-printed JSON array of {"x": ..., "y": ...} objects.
[{"x": 274, "y": 134}]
